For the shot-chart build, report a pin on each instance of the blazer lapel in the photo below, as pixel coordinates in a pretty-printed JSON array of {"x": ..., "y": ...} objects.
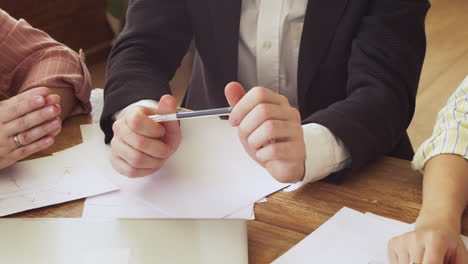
[
  {"x": 321, "y": 19},
  {"x": 225, "y": 18}
]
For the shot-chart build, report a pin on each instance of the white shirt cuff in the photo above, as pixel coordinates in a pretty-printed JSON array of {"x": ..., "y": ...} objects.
[
  {"x": 325, "y": 154},
  {"x": 147, "y": 102}
]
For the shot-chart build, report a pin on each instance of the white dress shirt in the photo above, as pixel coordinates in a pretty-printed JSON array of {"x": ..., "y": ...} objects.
[{"x": 270, "y": 36}]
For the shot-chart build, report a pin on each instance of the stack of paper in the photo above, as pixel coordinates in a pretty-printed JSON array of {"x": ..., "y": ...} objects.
[
  {"x": 210, "y": 176},
  {"x": 348, "y": 237},
  {"x": 50, "y": 180},
  {"x": 67, "y": 175}
]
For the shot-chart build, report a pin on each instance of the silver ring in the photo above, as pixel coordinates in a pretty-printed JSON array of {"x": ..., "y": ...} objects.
[{"x": 17, "y": 143}]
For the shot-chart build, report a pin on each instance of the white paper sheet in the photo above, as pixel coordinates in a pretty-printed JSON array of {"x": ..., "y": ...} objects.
[
  {"x": 120, "y": 205},
  {"x": 210, "y": 176},
  {"x": 348, "y": 237},
  {"x": 46, "y": 181},
  {"x": 411, "y": 226}
]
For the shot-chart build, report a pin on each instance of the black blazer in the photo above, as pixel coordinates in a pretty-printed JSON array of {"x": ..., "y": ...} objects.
[{"x": 358, "y": 73}]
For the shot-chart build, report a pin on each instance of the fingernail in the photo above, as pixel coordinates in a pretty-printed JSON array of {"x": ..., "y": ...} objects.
[
  {"x": 39, "y": 100},
  {"x": 55, "y": 124},
  {"x": 49, "y": 141},
  {"x": 51, "y": 109},
  {"x": 235, "y": 122}
]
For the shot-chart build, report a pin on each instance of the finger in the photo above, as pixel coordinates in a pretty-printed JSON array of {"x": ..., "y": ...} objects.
[
  {"x": 434, "y": 252},
  {"x": 22, "y": 104},
  {"x": 139, "y": 122},
  {"x": 285, "y": 151},
  {"x": 247, "y": 147},
  {"x": 393, "y": 258},
  {"x": 260, "y": 114},
  {"x": 392, "y": 251},
  {"x": 461, "y": 255},
  {"x": 38, "y": 132},
  {"x": 404, "y": 257},
  {"x": 32, "y": 119},
  {"x": 57, "y": 131},
  {"x": 25, "y": 151},
  {"x": 285, "y": 171},
  {"x": 150, "y": 146},
  {"x": 133, "y": 157},
  {"x": 416, "y": 249},
  {"x": 234, "y": 92},
  {"x": 284, "y": 160},
  {"x": 256, "y": 96},
  {"x": 272, "y": 131},
  {"x": 172, "y": 137},
  {"x": 122, "y": 167},
  {"x": 52, "y": 99}
]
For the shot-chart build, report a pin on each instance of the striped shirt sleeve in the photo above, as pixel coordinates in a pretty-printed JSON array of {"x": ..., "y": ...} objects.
[
  {"x": 450, "y": 135},
  {"x": 30, "y": 58}
]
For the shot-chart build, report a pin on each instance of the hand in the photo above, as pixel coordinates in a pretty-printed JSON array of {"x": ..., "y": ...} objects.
[
  {"x": 32, "y": 116},
  {"x": 140, "y": 146},
  {"x": 270, "y": 130},
  {"x": 428, "y": 245}
]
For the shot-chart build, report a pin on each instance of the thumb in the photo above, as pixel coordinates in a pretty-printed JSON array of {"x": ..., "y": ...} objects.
[
  {"x": 168, "y": 105},
  {"x": 234, "y": 93}
]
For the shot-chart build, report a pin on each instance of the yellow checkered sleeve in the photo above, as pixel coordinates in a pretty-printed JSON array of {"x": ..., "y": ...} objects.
[{"x": 450, "y": 135}]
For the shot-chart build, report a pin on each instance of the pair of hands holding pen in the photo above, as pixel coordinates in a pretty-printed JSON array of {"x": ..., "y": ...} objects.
[
  {"x": 268, "y": 126},
  {"x": 28, "y": 124}
]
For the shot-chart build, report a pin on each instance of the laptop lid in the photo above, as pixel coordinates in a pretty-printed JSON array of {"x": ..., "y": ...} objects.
[{"x": 124, "y": 241}]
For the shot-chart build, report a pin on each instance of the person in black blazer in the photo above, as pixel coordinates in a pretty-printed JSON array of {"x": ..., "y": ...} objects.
[{"x": 358, "y": 68}]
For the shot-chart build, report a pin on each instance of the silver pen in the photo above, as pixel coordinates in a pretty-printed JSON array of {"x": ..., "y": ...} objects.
[{"x": 192, "y": 114}]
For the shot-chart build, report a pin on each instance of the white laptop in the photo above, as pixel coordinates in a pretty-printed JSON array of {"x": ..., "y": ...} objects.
[{"x": 126, "y": 241}]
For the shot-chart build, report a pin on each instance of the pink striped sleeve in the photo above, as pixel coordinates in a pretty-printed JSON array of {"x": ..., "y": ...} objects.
[{"x": 30, "y": 58}]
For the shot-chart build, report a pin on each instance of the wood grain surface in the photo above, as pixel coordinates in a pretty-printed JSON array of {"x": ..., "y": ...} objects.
[{"x": 388, "y": 187}]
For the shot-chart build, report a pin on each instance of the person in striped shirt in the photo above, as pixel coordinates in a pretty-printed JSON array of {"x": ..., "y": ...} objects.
[
  {"x": 443, "y": 160},
  {"x": 42, "y": 82}
]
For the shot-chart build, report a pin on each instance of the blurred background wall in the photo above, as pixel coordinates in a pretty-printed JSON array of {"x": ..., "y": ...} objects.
[
  {"x": 84, "y": 24},
  {"x": 80, "y": 24}
]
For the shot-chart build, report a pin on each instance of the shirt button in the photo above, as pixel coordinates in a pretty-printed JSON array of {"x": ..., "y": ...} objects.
[{"x": 267, "y": 45}]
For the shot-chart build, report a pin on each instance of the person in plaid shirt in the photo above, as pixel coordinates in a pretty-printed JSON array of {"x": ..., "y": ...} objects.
[
  {"x": 443, "y": 160},
  {"x": 42, "y": 82}
]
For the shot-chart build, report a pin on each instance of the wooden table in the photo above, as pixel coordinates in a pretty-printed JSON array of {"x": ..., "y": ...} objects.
[{"x": 388, "y": 187}]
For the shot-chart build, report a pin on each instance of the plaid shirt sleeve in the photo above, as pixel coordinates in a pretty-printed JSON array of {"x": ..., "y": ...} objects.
[
  {"x": 450, "y": 135},
  {"x": 30, "y": 58}
]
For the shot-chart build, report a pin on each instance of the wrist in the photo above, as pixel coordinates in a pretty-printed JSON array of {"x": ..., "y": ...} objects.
[{"x": 439, "y": 219}]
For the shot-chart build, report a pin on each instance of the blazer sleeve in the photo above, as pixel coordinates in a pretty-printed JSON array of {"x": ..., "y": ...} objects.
[
  {"x": 383, "y": 75},
  {"x": 149, "y": 50}
]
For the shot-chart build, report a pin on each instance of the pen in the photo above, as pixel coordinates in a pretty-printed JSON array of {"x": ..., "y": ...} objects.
[{"x": 192, "y": 114}]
